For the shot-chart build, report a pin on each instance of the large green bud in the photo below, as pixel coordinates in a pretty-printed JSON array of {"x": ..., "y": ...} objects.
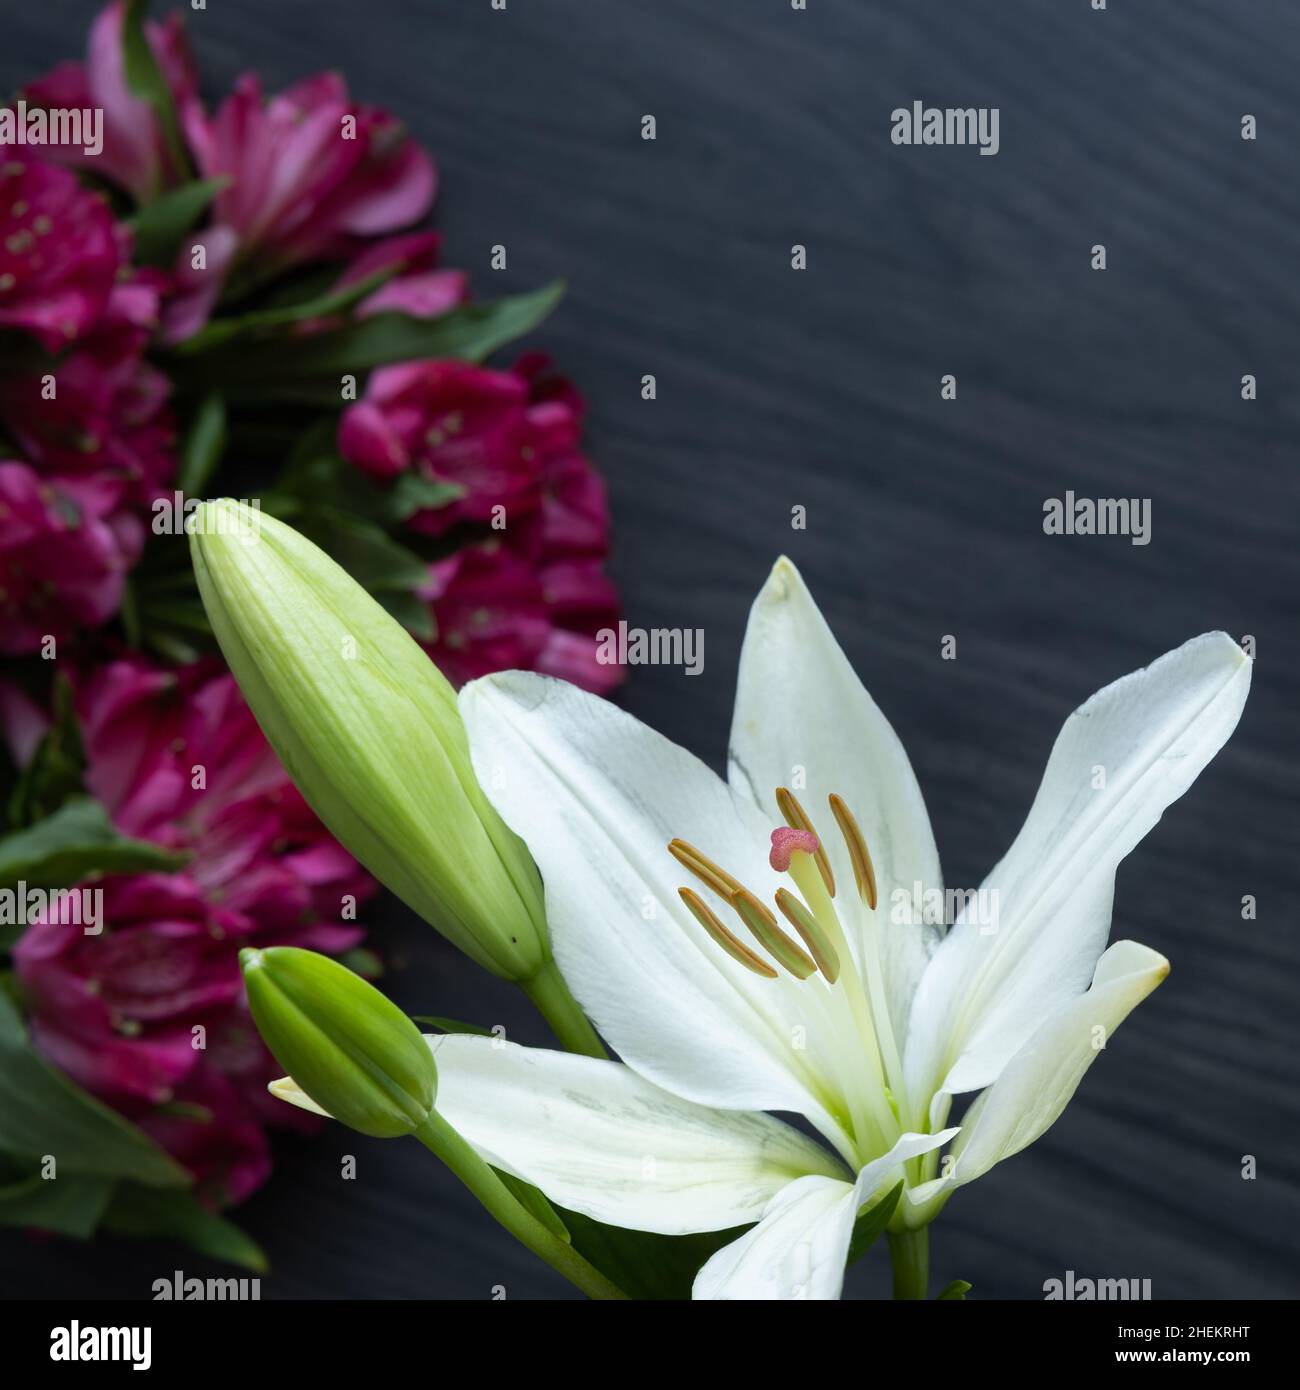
[{"x": 367, "y": 727}]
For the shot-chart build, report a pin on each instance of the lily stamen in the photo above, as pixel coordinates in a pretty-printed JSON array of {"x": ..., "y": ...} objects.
[
  {"x": 863, "y": 872},
  {"x": 814, "y": 937},
  {"x": 730, "y": 943},
  {"x": 761, "y": 921},
  {"x": 797, "y": 817},
  {"x": 709, "y": 873},
  {"x": 856, "y": 987}
]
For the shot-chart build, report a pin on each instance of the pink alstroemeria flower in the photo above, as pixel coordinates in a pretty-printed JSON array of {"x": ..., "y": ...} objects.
[
  {"x": 534, "y": 596},
  {"x": 176, "y": 758},
  {"x": 110, "y": 418},
  {"x": 59, "y": 251},
  {"x": 135, "y": 155},
  {"x": 496, "y": 611},
  {"x": 66, "y": 545},
  {"x": 310, "y": 174},
  {"x": 451, "y": 422}
]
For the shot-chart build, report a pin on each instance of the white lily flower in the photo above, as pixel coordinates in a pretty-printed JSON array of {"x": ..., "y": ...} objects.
[{"x": 865, "y": 1025}]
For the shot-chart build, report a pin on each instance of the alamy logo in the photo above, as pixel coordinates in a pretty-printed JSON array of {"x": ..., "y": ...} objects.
[
  {"x": 77, "y": 125},
  {"x": 1098, "y": 516},
  {"x": 179, "y": 1289},
  {"x": 178, "y": 515},
  {"x": 1099, "y": 1290},
  {"x": 20, "y": 906},
  {"x": 653, "y": 646},
  {"x": 77, "y": 1343},
  {"x": 919, "y": 124},
  {"x": 945, "y": 907}
]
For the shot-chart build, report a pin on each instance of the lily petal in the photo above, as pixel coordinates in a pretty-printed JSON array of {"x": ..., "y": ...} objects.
[
  {"x": 985, "y": 992},
  {"x": 287, "y": 1089},
  {"x": 798, "y": 1249},
  {"x": 799, "y": 704},
  {"x": 597, "y": 796},
  {"x": 1036, "y": 1085},
  {"x": 599, "y": 1140}
]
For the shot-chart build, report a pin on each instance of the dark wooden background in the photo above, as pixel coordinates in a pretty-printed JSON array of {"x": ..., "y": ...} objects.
[{"x": 924, "y": 516}]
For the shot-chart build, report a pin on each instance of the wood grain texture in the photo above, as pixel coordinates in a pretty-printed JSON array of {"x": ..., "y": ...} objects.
[{"x": 821, "y": 388}]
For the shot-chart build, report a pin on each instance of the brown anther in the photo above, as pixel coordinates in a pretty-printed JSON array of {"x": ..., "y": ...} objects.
[
  {"x": 731, "y": 944},
  {"x": 703, "y": 868},
  {"x": 796, "y": 816},
  {"x": 808, "y": 927},
  {"x": 760, "y": 919},
  {"x": 860, "y": 856}
]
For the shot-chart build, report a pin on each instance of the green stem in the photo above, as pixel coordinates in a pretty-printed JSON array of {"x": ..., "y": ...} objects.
[
  {"x": 439, "y": 1138},
  {"x": 560, "y": 1009},
  {"x": 910, "y": 1253}
]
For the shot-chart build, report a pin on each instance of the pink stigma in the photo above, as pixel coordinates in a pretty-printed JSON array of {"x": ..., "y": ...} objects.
[{"x": 785, "y": 840}]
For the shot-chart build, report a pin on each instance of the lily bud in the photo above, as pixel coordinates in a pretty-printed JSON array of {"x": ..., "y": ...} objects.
[
  {"x": 355, "y": 1053},
  {"x": 368, "y": 728}
]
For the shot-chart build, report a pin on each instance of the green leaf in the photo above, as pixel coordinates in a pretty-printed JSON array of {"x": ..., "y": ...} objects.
[
  {"x": 159, "y": 227},
  {"x": 310, "y": 372},
  {"x": 871, "y": 1223},
  {"x": 348, "y": 515},
  {"x": 317, "y": 476},
  {"x": 69, "y": 1205},
  {"x": 324, "y": 305},
  {"x": 376, "y": 561},
  {"x": 42, "y": 1112},
  {"x": 203, "y": 446},
  {"x": 174, "y": 650},
  {"x": 145, "y": 80},
  {"x": 56, "y": 768},
  {"x": 168, "y": 615},
  {"x": 533, "y": 1201},
  {"x": 412, "y": 612},
  {"x": 77, "y": 842},
  {"x": 361, "y": 960},
  {"x": 129, "y": 613},
  {"x": 410, "y": 493},
  {"x": 955, "y": 1292},
  {"x": 138, "y": 1211},
  {"x": 641, "y": 1263},
  {"x": 451, "y": 1025}
]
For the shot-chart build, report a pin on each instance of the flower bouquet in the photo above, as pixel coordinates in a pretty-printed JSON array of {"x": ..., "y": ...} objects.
[{"x": 236, "y": 296}]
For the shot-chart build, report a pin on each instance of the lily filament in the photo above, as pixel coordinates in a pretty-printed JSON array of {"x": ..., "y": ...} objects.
[{"x": 814, "y": 949}]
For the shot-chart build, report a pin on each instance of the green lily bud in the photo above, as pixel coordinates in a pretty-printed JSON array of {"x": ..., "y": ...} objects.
[
  {"x": 367, "y": 726},
  {"x": 355, "y": 1053}
]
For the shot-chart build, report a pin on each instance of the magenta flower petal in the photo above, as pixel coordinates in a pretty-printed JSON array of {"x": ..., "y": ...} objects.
[
  {"x": 368, "y": 438},
  {"x": 424, "y": 296},
  {"x": 63, "y": 557},
  {"x": 395, "y": 188},
  {"x": 574, "y": 657},
  {"x": 59, "y": 251},
  {"x": 310, "y": 172},
  {"x": 452, "y": 422},
  {"x": 409, "y": 253},
  {"x": 212, "y": 1129},
  {"x": 111, "y": 418},
  {"x": 196, "y": 292},
  {"x": 134, "y": 155},
  {"x": 491, "y": 616}
]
